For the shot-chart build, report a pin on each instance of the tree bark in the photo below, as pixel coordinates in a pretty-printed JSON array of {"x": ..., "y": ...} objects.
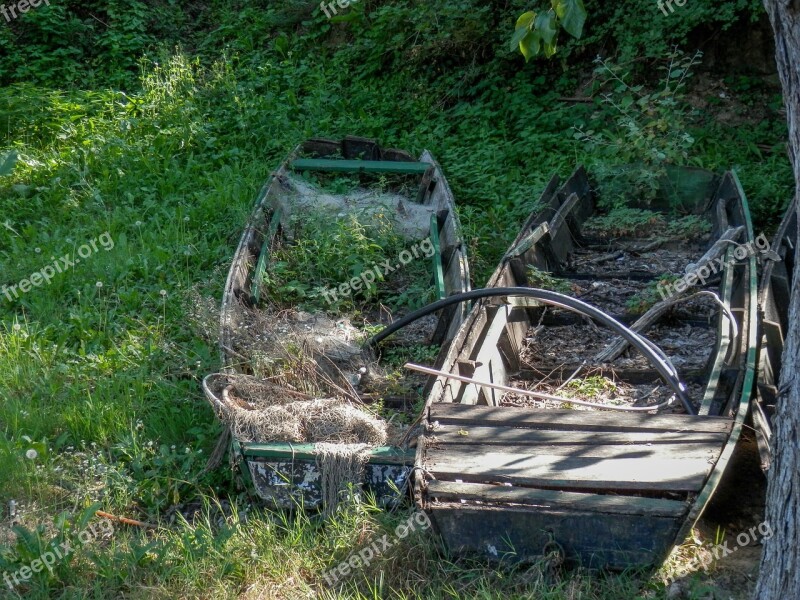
[{"x": 779, "y": 576}]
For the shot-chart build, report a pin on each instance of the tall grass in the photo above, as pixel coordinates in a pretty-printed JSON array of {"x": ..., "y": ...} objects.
[{"x": 99, "y": 369}]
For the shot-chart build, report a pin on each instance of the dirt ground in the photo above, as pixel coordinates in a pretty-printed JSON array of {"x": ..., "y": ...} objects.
[{"x": 736, "y": 509}]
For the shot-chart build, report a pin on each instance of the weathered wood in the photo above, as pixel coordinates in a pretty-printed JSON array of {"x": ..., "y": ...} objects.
[
  {"x": 612, "y": 351},
  {"x": 707, "y": 450},
  {"x": 598, "y": 503},
  {"x": 572, "y": 420},
  {"x": 723, "y": 342},
  {"x": 511, "y": 436},
  {"x": 520, "y": 533},
  {"x": 617, "y": 472},
  {"x": 560, "y": 234},
  {"x": 731, "y": 235},
  {"x": 490, "y": 366}
]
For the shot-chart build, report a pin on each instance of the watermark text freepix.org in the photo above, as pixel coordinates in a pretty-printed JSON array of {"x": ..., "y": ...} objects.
[
  {"x": 59, "y": 265},
  {"x": 377, "y": 272},
  {"x": 56, "y": 552},
  {"x": 12, "y": 11},
  {"x": 703, "y": 560},
  {"x": 328, "y": 7},
  {"x": 700, "y": 274},
  {"x": 663, "y": 5},
  {"x": 363, "y": 558}
]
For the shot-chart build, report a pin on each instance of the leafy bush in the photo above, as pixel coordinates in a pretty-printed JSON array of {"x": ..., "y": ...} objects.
[
  {"x": 649, "y": 130},
  {"x": 326, "y": 253}
]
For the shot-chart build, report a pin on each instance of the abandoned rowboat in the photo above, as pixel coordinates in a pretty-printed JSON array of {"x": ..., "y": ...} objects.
[
  {"x": 517, "y": 462},
  {"x": 287, "y": 472},
  {"x": 774, "y": 297}
]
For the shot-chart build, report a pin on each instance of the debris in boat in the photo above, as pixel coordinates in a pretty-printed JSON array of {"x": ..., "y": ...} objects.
[
  {"x": 306, "y": 421},
  {"x": 342, "y": 434},
  {"x": 411, "y": 220}
]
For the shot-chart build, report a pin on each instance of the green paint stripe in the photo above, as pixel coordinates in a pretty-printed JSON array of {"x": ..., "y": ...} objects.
[
  {"x": 438, "y": 270},
  {"x": 724, "y": 336},
  {"x": 261, "y": 266},
  {"x": 290, "y": 451},
  {"x": 360, "y": 166},
  {"x": 241, "y": 461}
]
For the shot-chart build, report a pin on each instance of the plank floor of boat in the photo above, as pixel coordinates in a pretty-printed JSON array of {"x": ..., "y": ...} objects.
[{"x": 520, "y": 455}]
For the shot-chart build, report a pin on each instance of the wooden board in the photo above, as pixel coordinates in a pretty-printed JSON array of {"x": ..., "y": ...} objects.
[
  {"x": 621, "y": 469},
  {"x": 441, "y": 491},
  {"x": 571, "y": 420},
  {"x": 513, "y": 533},
  {"x": 489, "y": 363},
  {"x": 508, "y": 436}
]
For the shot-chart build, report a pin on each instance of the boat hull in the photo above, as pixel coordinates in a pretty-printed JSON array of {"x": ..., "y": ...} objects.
[
  {"x": 774, "y": 297},
  {"x": 278, "y": 473},
  {"x": 600, "y": 489}
]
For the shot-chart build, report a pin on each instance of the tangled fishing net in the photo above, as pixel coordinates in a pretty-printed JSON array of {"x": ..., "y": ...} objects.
[
  {"x": 342, "y": 434},
  {"x": 307, "y": 421}
]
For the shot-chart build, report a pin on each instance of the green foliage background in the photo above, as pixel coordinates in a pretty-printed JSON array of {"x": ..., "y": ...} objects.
[{"x": 158, "y": 122}]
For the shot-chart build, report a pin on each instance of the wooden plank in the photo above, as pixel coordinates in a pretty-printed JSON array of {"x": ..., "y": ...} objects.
[
  {"x": 529, "y": 241},
  {"x": 618, "y": 473},
  {"x": 359, "y": 166},
  {"x": 708, "y": 451},
  {"x": 572, "y": 420},
  {"x": 490, "y": 366},
  {"x": 572, "y": 501},
  {"x": 723, "y": 337},
  {"x": 521, "y": 533},
  {"x": 506, "y": 436},
  {"x": 561, "y": 235}
]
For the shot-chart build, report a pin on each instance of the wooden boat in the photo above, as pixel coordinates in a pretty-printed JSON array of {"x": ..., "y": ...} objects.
[
  {"x": 287, "y": 474},
  {"x": 512, "y": 477},
  {"x": 774, "y": 296}
]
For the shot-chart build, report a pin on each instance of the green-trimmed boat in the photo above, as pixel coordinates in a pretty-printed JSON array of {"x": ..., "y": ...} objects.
[
  {"x": 774, "y": 297},
  {"x": 531, "y": 473},
  {"x": 285, "y": 474}
]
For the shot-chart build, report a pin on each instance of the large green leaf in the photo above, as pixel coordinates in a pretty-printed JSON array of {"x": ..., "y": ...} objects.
[
  {"x": 530, "y": 45},
  {"x": 522, "y": 28},
  {"x": 546, "y": 26},
  {"x": 550, "y": 48},
  {"x": 7, "y": 163},
  {"x": 572, "y": 15}
]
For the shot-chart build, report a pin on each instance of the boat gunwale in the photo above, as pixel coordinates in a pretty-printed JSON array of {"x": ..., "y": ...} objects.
[
  {"x": 746, "y": 350},
  {"x": 244, "y": 262}
]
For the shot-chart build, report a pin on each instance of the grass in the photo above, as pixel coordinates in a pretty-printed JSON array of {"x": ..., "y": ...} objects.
[{"x": 101, "y": 367}]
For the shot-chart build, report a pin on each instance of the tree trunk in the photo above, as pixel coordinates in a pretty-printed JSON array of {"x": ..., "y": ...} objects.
[{"x": 779, "y": 576}]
